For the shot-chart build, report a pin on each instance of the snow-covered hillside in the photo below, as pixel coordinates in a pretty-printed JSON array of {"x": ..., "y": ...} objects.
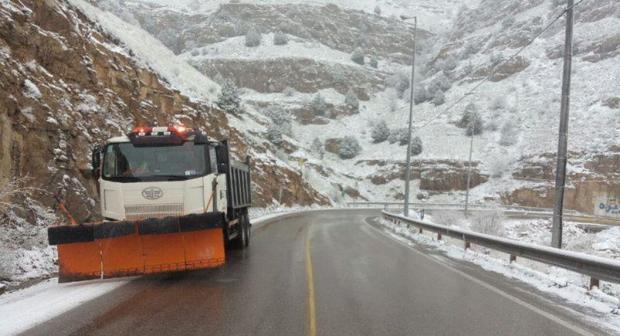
[
  {"x": 460, "y": 44},
  {"x": 435, "y": 14}
]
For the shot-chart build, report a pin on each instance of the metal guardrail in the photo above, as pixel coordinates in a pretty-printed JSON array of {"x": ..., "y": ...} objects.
[
  {"x": 509, "y": 211},
  {"x": 597, "y": 268}
]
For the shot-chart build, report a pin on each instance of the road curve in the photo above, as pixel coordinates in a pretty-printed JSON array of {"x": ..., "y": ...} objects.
[{"x": 322, "y": 273}]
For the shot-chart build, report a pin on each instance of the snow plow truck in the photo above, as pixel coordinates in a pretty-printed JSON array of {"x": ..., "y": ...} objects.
[{"x": 171, "y": 199}]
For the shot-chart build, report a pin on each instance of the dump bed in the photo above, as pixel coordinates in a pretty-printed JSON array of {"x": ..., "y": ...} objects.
[{"x": 237, "y": 173}]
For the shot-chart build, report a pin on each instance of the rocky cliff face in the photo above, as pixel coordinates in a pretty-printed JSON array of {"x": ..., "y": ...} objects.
[{"x": 66, "y": 86}]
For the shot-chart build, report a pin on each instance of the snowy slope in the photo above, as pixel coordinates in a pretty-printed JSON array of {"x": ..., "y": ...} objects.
[
  {"x": 433, "y": 15},
  {"x": 471, "y": 35},
  {"x": 179, "y": 74}
]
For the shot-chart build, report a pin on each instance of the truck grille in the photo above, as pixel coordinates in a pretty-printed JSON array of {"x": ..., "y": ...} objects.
[{"x": 138, "y": 212}]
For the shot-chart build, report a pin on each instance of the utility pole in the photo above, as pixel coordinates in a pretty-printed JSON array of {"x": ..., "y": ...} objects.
[
  {"x": 560, "y": 173},
  {"x": 408, "y": 165},
  {"x": 471, "y": 150}
]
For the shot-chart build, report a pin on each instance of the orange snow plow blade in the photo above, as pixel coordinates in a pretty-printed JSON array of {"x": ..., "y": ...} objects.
[{"x": 125, "y": 248}]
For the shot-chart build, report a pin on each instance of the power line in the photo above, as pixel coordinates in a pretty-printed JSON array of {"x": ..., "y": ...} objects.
[{"x": 495, "y": 67}]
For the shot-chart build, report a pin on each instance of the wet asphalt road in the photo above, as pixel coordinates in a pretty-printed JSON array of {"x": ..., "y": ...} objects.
[{"x": 324, "y": 273}]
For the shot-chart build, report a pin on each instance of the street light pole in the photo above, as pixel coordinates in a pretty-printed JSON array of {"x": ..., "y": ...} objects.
[
  {"x": 408, "y": 164},
  {"x": 560, "y": 172},
  {"x": 471, "y": 150}
]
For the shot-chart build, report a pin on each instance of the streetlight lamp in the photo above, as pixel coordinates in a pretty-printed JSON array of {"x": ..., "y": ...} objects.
[{"x": 408, "y": 164}]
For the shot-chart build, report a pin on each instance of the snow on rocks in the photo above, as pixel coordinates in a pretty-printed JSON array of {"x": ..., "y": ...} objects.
[{"x": 31, "y": 90}]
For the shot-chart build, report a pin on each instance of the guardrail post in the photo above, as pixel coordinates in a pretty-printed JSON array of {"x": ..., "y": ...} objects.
[
  {"x": 594, "y": 282},
  {"x": 421, "y": 231},
  {"x": 513, "y": 258},
  {"x": 438, "y": 235},
  {"x": 467, "y": 245}
]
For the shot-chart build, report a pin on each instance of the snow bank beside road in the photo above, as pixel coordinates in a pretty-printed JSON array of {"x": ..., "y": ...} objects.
[{"x": 24, "y": 309}]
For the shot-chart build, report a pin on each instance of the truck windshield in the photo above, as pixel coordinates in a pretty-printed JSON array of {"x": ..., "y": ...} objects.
[{"x": 125, "y": 163}]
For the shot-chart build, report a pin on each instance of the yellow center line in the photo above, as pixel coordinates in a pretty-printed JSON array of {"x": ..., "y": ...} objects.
[{"x": 310, "y": 280}]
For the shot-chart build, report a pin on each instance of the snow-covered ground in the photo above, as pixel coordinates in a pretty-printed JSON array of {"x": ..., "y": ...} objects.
[
  {"x": 24, "y": 309},
  {"x": 602, "y": 304}
]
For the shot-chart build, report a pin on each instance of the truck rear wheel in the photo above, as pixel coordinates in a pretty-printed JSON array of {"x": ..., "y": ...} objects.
[
  {"x": 241, "y": 241},
  {"x": 248, "y": 228}
]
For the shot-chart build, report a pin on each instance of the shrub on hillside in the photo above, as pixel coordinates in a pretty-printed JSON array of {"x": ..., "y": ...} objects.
[
  {"x": 318, "y": 147},
  {"x": 420, "y": 95},
  {"x": 280, "y": 38},
  {"x": 438, "y": 98},
  {"x": 351, "y": 101},
  {"x": 400, "y": 82},
  {"x": 281, "y": 118},
  {"x": 349, "y": 148},
  {"x": 318, "y": 105},
  {"x": 289, "y": 91},
  {"x": 253, "y": 38},
  {"x": 399, "y": 135},
  {"x": 416, "y": 146},
  {"x": 499, "y": 103},
  {"x": 380, "y": 132},
  {"x": 508, "y": 22},
  {"x": 358, "y": 56},
  {"x": 374, "y": 63},
  {"x": 509, "y": 134}
]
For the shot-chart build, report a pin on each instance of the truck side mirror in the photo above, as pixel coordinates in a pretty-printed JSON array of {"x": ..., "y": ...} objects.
[{"x": 96, "y": 161}]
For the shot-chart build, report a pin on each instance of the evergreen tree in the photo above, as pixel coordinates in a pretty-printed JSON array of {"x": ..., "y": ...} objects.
[
  {"x": 274, "y": 134},
  {"x": 228, "y": 99},
  {"x": 475, "y": 125},
  {"x": 466, "y": 118}
]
